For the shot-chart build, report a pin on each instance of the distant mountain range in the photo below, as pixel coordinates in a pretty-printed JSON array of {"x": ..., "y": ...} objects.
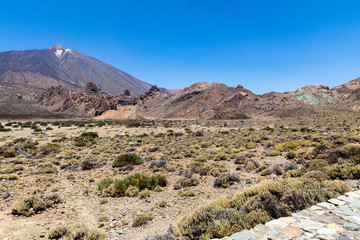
[{"x": 59, "y": 82}]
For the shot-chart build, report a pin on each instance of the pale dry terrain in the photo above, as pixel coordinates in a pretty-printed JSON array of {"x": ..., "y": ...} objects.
[{"x": 201, "y": 160}]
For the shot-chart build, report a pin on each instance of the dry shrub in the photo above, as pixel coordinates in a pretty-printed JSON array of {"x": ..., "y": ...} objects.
[{"x": 258, "y": 204}]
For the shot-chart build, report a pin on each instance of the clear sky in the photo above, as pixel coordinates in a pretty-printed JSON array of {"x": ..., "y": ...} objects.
[{"x": 263, "y": 45}]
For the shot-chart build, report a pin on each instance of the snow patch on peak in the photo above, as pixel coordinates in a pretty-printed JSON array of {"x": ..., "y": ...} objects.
[{"x": 58, "y": 53}]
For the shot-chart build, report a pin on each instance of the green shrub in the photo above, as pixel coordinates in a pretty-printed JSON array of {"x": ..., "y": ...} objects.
[
  {"x": 86, "y": 139},
  {"x": 105, "y": 183},
  {"x": 291, "y": 145},
  {"x": 142, "y": 219},
  {"x": 224, "y": 180},
  {"x": 186, "y": 181},
  {"x": 343, "y": 171},
  {"x": 58, "y": 232},
  {"x": 353, "y": 148},
  {"x": 76, "y": 232},
  {"x": 132, "y": 191},
  {"x": 318, "y": 165},
  {"x": 144, "y": 193},
  {"x": 139, "y": 180},
  {"x": 290, "y": 155},
  {"x": 188, "y": 193},
  {"x": 258, "y": 204},
  {"x": 46, "y": 168},
  {"x": 266, "y": 171},
  {"x": 8, "y": 177},
  {"x": 34, "y": 204},
  {"x": 318, "y": 175},
  {"x": 50, "y": 148},
  {"x": 127, "y": 159},
  {"x": 87, "y": 165},
  {"x": 7, "y": 154}
]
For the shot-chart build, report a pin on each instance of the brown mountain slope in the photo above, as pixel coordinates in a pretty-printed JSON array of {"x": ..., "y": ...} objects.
[{"x": 208, "y": 101}]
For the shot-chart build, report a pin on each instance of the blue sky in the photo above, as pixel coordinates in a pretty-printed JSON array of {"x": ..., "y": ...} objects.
[{"x": 262, "y": 45}]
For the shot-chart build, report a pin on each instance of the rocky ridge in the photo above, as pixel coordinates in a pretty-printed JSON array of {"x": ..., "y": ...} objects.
[{"x": 202, "y": 101}]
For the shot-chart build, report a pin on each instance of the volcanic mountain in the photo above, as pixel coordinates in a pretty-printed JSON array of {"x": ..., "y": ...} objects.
[
  {"x": 25, "y": 75},
  {"x": 205, "y": 100},
  {"x": 36, "y": 70}
]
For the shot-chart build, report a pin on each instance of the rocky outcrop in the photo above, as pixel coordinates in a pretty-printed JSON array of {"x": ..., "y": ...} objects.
[
  {"x": 91, "y": 102},
  {"x": 92, "y": 88}
]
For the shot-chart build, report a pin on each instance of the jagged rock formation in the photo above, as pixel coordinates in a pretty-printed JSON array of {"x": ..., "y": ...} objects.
[
  {"x": 200, "y": 101},
  {"x": 79, "y": 103}
]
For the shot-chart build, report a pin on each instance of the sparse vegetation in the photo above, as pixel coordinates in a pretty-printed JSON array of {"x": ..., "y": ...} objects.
[
  {"x": 127, "y": 159},
  {"x": 160, "y": 166},
  {"x": 259, "y": 204},
  {"x": 34, "y": 204}
]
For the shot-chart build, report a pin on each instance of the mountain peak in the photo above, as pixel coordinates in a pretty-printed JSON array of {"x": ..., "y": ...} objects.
[{"x": 57, "y": 47}]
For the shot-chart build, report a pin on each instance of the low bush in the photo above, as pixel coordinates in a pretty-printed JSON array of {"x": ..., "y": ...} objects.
[
  {"x": 353, "y": 148},
  {"x": 34, "y": 204},
  {"x": 188, "y": 180},
  {"x": 127, "y": 159},
  {"x": 225, "y": 180},
  {"x": 76, "y": 232},
  {"x": 142, "y": 219},
  {"x": 266, "y": 171},
  {"x": 105, "y": 183},
  {"x": 258, "y": 204},
  {"x": 8, "y": 177},
  {"x": 50, "y": 148},
  {"x": 188, "y": 193},
  {"x": 155, "y": 165},
  {"x": 87, "y": 165},
  {"x": 141, "y": 181},
  {"x": 144, "y": 193},
  {"x": 46, "y": 168},
  {"x": 290, "y": 155},
  {"x": 291, "y": 145},
  {"x": 86, "y": 139}
]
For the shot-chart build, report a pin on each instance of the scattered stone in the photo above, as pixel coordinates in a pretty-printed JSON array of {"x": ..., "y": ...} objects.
[
  {"x": 276, "y": 224},
  {"x": 278, "y": 236},
  {"x": 243, "y": 235},
  {"x": 338, "y": 228},
  {"x": 343, "y": 237},
  {"x": 336, "y": 202},
  {"x": 352, "y": 195},
  {"x": 292, "y": 232},
  {"x": 310, "y": 226},
  {"x": 316, "y": 208},
  {"x": 261, "y": 231},
  {"x": 351, "y": 227},
  {"x": 326, "y": 231},
  {"x": 344, "y": 211},
  {"x": 287, "y": 220},
  {"x": 353, "y": 219},
  {"x": 326, "y": 205}
]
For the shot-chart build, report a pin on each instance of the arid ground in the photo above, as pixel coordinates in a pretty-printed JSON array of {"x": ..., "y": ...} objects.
[{"x": 136, "y": 178}]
